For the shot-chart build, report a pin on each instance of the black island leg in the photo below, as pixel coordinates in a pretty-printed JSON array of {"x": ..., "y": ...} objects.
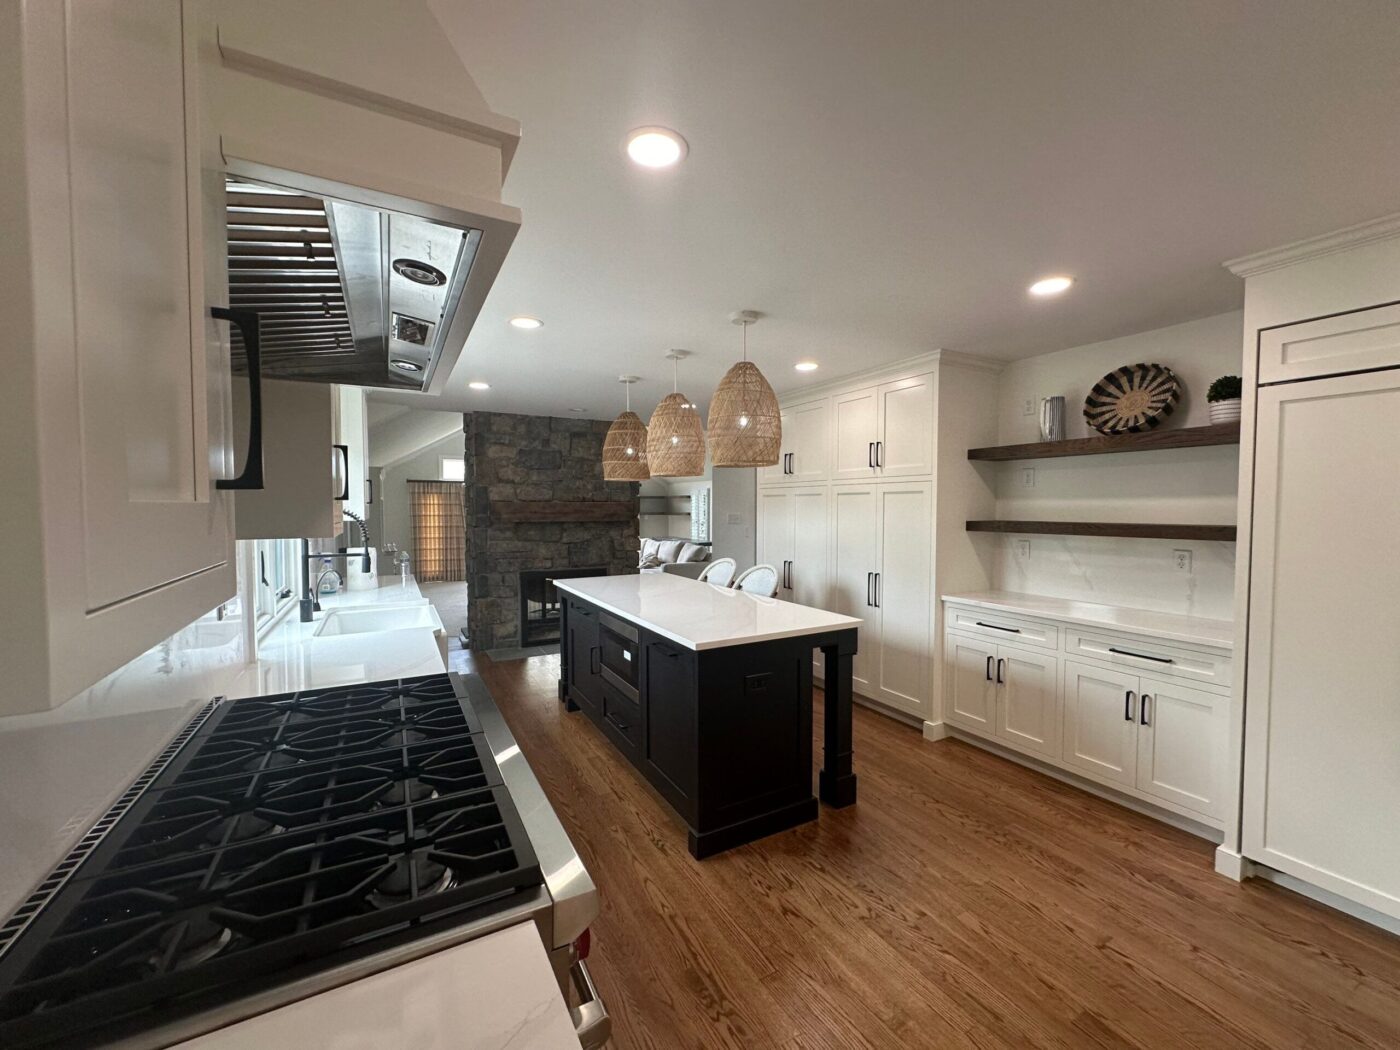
[{"x": 837, "y": 781}]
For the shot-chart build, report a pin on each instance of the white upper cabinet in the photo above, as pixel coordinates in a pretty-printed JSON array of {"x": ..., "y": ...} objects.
[
  {"x": 904, "y": 447},
  {"x": 856, "y": 421},
  {"x": 803, "y": 457},
  {"x": 1357, "y": 341},
  {"x": 126, "y": 420},
  {"x": 885, "y": 431}
]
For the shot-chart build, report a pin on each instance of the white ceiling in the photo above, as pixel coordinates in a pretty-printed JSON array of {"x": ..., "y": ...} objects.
[{"x": 881, "y": 179}]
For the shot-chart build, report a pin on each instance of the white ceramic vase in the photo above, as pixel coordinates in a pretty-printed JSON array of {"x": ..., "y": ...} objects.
[{"x": 1225, "y": 411}]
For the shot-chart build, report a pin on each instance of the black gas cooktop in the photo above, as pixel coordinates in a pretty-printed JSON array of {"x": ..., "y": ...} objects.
[{"x": 288, "y": 834}]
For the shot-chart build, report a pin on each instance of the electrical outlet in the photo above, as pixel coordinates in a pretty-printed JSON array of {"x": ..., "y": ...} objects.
[
  {"x": 1023, "y": 549},
  {"x": 1028, "y": 477},
  {"x": 1028, "y": 407},
  {"x": 1181, "y": 561}
]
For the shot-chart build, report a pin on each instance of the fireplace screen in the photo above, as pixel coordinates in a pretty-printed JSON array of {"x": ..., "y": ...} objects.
[{"x": 539, "y": 602}]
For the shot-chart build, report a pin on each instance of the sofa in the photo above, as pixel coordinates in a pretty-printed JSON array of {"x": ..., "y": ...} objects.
[{"x": 674, "y": 555}]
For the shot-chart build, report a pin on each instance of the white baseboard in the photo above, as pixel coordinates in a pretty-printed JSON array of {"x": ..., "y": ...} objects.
[
  {"x": 1348, "y": 907},
  {"x": 1233, "y": 865},
  {"x": 935, "y": 730}
]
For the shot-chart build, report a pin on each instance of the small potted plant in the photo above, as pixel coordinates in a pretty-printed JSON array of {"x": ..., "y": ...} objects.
[{"x": 1224, "y": 399}]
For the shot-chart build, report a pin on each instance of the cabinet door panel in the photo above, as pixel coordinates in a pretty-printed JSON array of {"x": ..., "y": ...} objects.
[
  {"x": 1100, "y": 723},
  {"x": 805, "y": 437},
  {"x": 584, "y": 678},
  {"x": 808, "y": 572},
  {"x": 902, "y": 593},
  {"x": 1322, "y": 782},
  {"x": 971, "y": 688},
  {"x": 906, "y": 427},
  {"x": 1028, "y": 714},
  {"x": 1351, "y": 342},
  {"x": 775, "y": 525},
  {"x": 1183, "y": 734},
  {"x": 150, "y": 517},
  {"x": 855, "y": 423},
  {"x": 855, "y": 552}
]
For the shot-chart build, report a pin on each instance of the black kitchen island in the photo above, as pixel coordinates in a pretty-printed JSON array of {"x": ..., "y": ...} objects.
[{"x": 708, "y": 692}]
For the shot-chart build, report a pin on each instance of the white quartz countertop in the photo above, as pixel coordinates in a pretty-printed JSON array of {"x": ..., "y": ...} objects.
[
  {"x": 1195, "y": 630},
  {"x": 700, "y": 615}
]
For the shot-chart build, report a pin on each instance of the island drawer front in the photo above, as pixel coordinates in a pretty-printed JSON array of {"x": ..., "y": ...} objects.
[
  {"x": 1002, "y": 626},
  {"x": 622, "y": 718},
  {"x": 669, "y": 755},
  {"x": 1204, "y": 667}
]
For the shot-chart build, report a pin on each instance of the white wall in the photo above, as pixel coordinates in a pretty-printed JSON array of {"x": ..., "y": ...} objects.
[
  {"x": 1175, "y": 485},
  {"x": 423, "y": 465},
  {"x": 734, "y": 515}
]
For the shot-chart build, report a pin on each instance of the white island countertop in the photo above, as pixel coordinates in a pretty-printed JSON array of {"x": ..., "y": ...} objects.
[
  {"x": 700, "y": 615},
  {"x": 1195, "y": 630}
]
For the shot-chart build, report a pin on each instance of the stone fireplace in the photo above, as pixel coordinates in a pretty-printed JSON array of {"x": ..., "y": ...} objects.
[{"x": 536, "y": 501}]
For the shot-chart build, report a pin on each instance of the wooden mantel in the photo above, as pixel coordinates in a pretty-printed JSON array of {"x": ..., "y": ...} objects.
[{"x": 525, "y": 511}]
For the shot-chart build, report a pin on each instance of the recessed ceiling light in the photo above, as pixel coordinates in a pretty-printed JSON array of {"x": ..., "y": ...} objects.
[
  {"x": 656, "y": 147},
  {"x": 1051, "y": 286},
  {"x": 477, "y": 384},
  {"x": 806, "y": 366},
  {"x": 406, "y": 366},
  {"x": 526, "y": 322}
]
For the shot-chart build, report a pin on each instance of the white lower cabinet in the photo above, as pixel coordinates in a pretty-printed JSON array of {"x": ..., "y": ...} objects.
[
  {"x": 1163, "y": 739},
  {"x": 1005, "y": 692},
  {"x": 1154, "y": 736}
]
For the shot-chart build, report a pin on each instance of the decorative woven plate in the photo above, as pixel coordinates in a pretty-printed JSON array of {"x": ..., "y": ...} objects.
[{"x": 1132, "y": 399}]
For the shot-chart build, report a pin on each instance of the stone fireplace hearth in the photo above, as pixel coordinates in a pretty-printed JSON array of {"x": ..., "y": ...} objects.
[{"x": 536, "y": 500}]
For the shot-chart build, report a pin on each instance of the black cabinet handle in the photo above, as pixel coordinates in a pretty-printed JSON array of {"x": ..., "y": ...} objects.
[
  {"x": 879, "y": 453},
  {"x": 594, "y": 661},
  {"x": 247, "y": 322},
  {"x": 620, "y": 725},
  {"x": 870, "y": 456},
  {"x": 869, "y": 583},
  {"x": 344, "y": 451},
  {"x": 1001, "y": 667},
  {"x": 1128, "y": 706},
  {"x": 989, "y": 668},
  {"x": 1146, "y": 700},
  {"x": 877, "y": 590},
  {"x": 998, "y": 627},
  {"x": 1140, "y": 656}
]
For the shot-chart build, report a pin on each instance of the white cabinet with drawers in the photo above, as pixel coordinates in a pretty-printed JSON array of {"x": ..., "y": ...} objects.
[{"x": 1145, "y": 716}]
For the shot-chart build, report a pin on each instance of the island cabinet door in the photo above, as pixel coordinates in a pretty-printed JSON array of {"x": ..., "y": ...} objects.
[
  {"x": 585, "y": 684},
  {"x": 669, "y": 730}
]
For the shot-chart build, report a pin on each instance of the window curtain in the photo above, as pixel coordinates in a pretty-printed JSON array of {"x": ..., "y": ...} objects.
[{"x": 439, "y": 530}]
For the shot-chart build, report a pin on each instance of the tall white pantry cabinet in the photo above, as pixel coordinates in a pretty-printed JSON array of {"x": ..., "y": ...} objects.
[
  {"x": 1320, "y": 590},
  {"x": 851, "y": 514}
]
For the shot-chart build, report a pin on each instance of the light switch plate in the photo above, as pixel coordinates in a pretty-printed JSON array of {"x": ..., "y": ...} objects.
[
  {"x": 1028, "y": 477},
  {"x": 1028, "y": 407},
  {"x": 734, "y": 519}
]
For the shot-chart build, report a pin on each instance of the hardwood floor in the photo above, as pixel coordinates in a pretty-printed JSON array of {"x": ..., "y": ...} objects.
[{"x": 964, "y": 902}]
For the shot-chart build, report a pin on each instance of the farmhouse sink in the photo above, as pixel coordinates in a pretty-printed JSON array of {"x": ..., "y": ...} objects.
[{"x": 379, "y": 618}]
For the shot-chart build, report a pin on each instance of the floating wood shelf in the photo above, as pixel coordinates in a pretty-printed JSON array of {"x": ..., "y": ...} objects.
[
  {"x": 1185, "y": 437},
  {"x": 1132, "y": 530}
]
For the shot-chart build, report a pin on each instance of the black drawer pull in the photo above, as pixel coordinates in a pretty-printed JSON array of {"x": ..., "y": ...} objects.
[
  {"x": 1140, "y": 656},
  {"x": 989, "y": 668},
  {"x": 1001, "y": 665},
  {"x": 998, "y": 627},
  {"x": 1146, "y": 701},
  {"x": 248, "y": 325},
  {"x": 1128, "y": 706},
  {"x": 620, "y": 725}
]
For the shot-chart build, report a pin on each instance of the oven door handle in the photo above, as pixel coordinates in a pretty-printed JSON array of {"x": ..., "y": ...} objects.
[{"x": 592, "y": 1024}]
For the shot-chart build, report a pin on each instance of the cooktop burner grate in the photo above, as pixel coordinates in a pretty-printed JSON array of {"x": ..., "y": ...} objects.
[{"x": 290, "y": 829}]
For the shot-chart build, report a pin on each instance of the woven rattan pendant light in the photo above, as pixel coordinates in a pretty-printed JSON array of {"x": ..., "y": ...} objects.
[
  {"x": 625, "y": 447},
  {"x": 746, "y": 425},
  {"x": 675, "y": 436}
]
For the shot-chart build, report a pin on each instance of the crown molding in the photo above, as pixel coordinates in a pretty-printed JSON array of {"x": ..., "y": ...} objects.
[
  {"x": 1316, "y": 247},
  {"x": 900, "y": 369}
]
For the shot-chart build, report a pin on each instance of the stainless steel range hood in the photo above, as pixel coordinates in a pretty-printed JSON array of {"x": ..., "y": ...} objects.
[{"x": 355, "y": 286}]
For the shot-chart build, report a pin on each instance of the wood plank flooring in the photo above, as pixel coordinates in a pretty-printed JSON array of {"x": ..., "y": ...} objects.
[{"x": 963, "y": 902}]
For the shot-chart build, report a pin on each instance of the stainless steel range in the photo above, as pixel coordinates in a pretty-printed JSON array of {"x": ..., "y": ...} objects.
[{"x": 287, "y": 844}]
